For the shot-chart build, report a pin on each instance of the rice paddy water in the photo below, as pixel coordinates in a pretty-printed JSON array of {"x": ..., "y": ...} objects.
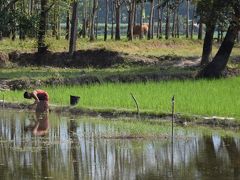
[{"x": 96, "y": 148}]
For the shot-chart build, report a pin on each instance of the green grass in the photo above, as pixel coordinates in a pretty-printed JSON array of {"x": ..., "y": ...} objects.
[
  {"x": 44, "y": 73},
  {"x": 180, "y": 47},
  {"x": 201, "y": 97}
]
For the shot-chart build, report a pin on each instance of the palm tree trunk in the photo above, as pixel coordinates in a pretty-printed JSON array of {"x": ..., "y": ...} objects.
[
  {"x": 178, "y": 24},
  {"x": 112, "y": 11},
  {"x": 106, "y": 20},
  {"x": 187, "y": 19},
  {"x": 117, "y": 11},
  {"x": 150, "y": 20},
  {"x": 159, "y": 20},
  {"x": 192, "y": 24},
  {"x": 167, "y": 23},
  {"x": 141, "y": 18},
  {"x": 74, "y": 22},
  {"x": 174, "y": 23},
  {"x": 94, "y": 11},
  {"x": 42, "y": 47},
  {"x": 67, "y": 25}
]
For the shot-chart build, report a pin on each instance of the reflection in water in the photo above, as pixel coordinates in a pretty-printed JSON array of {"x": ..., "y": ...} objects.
[
  {"x": 74, "y": 149},
  {"x": 44, "y": 160},
  {"x": 40, "y": 126}
]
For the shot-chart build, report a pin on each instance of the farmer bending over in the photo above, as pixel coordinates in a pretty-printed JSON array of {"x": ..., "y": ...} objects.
[{"x": 41, "y": 99}]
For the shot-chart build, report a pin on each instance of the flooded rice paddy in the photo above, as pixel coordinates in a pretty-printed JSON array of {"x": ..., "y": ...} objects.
[{"x": 87, "y": 148}]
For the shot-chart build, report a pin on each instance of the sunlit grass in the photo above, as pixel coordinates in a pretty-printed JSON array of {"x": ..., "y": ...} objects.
[
  {"x": 157, "y": 47},
  {"x": 201, "y": 97},
  {"x": 43, "y": 73}
]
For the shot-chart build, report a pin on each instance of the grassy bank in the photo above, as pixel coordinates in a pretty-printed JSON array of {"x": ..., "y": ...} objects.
[
  {"x": 202, "y": 97},
  {"x": 43, "y": 73},
  {"x": 180, "y": 47}
]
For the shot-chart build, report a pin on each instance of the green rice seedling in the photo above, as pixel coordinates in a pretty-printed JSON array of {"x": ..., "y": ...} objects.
[{"x": 198, "y": 97}]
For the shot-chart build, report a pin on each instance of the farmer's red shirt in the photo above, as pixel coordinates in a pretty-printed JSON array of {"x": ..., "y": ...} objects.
[{"x": 42, "y": 95}]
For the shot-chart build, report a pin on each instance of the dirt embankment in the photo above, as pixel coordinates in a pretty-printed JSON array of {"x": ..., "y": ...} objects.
[
  {"x": 96, "y": 58},
  {"x": 100, "y": 58}
]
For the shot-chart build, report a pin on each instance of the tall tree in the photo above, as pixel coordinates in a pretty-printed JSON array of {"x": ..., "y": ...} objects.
[
  {"x": 112, "y": 12},
  {"x": 74, "y": 25},
  {"x": 106, "y": 20},
  {"x": 210, "y": 12},
  {"x": 187, "y": 19},
  {"x": 167, "y": 28},
  {"x": 93, "y": 16},
  {"x": 150, "y": 29},
  {"x": 141, "y": 17},
  {"x": 67, "y": 24},
  {"x": 42, "y": 47},
  {"x": 131, "y": 5},
  {"x": 217, "y": 66},
  {"x": 118, "y": 4}
]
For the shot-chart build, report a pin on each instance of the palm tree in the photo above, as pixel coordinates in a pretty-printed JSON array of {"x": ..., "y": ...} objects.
[
  {"x": 74, "y": 23},
  {"x": 106, "y": 20},
  {"x": 94, "y": 11},
  {"x": 150, "y": 19}
]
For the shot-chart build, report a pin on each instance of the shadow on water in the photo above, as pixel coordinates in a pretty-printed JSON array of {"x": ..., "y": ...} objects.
[{"x": 75, "y": 149}]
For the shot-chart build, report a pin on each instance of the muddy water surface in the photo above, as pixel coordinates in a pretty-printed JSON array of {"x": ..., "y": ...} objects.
[{"x": 82, "y": 148}]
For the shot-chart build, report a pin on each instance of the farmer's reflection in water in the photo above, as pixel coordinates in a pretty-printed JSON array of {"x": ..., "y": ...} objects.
[{"x": 41, "y": 125}]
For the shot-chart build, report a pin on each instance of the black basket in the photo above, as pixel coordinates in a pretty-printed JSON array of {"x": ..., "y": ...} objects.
[{"x": 74, "y": 100}]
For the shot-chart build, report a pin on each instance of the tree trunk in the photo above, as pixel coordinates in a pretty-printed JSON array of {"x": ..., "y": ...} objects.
[
  {"x": 85, "y": 21},
  {"x": 207, "y": 45},
  {"x": 174, "y": 23},
  {"x": 150, "y": 20},
  {"x": 131, "y": 20},
  {"x": 238, "y": 37},
  {"x": 54, "y": 20},
  {"x": 67, "y": 25},
  {"x": 192, "y": 24},
  {"x": 13, "y": 24},
  {"x": 178, "y": 24},
  {"x": 1, "y": 36},
  {"x": 187, "y": 19},
  {"x": 58, "y": 36},
  {"x": 22, "y": 35},
  {"x": 141, "y": 18},
  {"x": 96, "y": 25},
  {"x": 129, "y": 23},
  {"x": 159, "y": 20},
  {"x": 94, "y": 12},
  {"x": 112, "y": 33},
  {"x": 42, "y": 47},
  {"x": 106, "y": 21},
  {"x": 167, "y": 23},
  {"x": 215, "y": 68},
  {"x": 31, "y": 6},
  {"x": 200, "y": 31},
  {"x": 117, "y": 9},
  {"x": 74, "y": 24}
]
